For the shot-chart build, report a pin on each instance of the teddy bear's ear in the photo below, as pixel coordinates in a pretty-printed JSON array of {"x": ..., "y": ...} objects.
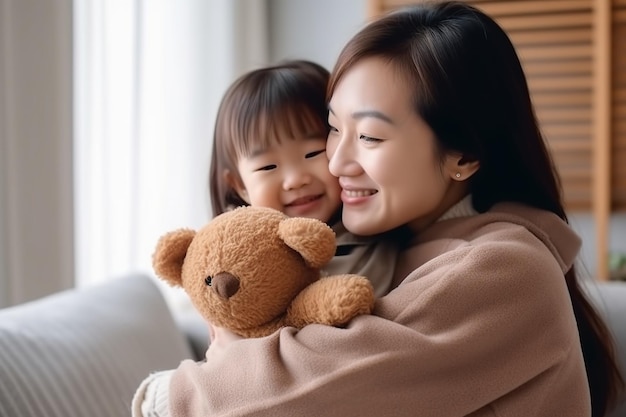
[
  {"x": 169, "y": 255},
  {"x": 311, "y": 238}
]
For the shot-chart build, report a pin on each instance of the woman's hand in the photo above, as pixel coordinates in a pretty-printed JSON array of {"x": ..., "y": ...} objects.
[{"x": 221, "y": 338}]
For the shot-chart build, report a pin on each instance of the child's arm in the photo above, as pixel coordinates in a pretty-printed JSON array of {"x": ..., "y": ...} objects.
[{"x": 152, "y": 397}]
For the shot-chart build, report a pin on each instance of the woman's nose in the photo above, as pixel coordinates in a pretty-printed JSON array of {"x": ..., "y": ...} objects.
[{"x": 340, "y": 160}]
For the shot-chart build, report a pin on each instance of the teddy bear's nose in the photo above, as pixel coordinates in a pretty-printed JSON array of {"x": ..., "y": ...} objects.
[{"x": 225, "y": 284}]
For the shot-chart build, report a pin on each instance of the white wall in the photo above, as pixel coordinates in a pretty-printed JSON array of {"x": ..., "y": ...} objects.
[
  {"x": 313, "y": 29},
  {"x": 36, "y": 243}
]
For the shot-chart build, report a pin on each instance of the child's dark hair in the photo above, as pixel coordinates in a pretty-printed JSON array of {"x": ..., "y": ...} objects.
[{"x": 265, "y": 106}]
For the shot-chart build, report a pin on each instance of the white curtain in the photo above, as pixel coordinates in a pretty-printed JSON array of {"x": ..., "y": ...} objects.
[{"x": 148, "y": 79}]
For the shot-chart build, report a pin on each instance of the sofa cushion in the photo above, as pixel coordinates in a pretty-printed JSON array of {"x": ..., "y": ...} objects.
[
  {"x": 84, "y": 352},
  {"x": 610, "y": 300},
  {"x": 197, "y": 331}
]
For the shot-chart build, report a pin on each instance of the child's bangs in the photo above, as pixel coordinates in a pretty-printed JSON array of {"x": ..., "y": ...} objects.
[{"x": 295, "y": 120}]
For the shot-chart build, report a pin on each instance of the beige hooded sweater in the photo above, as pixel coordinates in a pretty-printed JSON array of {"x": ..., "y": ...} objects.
[{"x": 479, "y": 322}]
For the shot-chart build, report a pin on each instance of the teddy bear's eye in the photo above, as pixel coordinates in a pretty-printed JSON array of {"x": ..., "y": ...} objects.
[{"x": 208, "y": 280}]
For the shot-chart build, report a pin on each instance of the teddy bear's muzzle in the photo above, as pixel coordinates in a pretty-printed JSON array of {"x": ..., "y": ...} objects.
[{"x": 225, "y": 284}]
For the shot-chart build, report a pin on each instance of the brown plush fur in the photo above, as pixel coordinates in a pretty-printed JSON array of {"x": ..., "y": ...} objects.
[{"x": 264, "y": 270}]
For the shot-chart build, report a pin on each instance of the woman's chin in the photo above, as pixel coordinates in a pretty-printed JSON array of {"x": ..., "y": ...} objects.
[{"x": 361, "y": 225}]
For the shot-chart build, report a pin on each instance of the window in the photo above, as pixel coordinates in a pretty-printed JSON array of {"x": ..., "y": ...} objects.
[{"x": 149, "y": 78}]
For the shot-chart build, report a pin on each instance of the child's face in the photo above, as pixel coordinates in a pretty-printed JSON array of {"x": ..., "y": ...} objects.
[{"x": 292, "y": 177}]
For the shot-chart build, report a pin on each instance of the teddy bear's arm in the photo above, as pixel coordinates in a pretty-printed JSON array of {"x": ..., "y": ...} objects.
[{"x": 333, "y": 300}]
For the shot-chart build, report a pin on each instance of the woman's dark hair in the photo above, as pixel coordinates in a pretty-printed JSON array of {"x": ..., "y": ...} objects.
[
  {"x": 469, "y": 87},
  {"x": 262, "y": 107}
]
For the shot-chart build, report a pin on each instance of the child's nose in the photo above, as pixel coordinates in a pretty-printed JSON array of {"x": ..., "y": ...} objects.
[{"x": 296, "y": 177}]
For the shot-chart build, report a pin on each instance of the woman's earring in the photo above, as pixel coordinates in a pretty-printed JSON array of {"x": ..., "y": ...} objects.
[{"x": 457, "y": 175}]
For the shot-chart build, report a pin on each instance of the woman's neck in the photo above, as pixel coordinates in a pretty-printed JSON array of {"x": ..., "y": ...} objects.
[
  {"x": 456, "y": 201},
  {"x": 463, "y": 208}
]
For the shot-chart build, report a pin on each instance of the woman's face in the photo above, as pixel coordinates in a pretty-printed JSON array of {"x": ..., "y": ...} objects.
[{"x": 385, "y": 155}]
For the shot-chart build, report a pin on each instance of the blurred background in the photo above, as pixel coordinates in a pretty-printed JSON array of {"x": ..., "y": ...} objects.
[{"x": 107, "y": 111}]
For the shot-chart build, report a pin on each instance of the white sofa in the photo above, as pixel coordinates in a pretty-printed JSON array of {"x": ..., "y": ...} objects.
[
  {"x": 82, "y": 353},
  {"x": 610, "y": 299}
]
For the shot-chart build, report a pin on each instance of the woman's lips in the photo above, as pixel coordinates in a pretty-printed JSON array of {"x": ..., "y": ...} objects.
[
  {"x": 359, "y": 193},
  {"x": 355, "y": 191},
  {"x": 351, "y": 197}
]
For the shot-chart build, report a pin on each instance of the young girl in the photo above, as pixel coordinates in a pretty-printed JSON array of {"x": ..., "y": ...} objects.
[
  {"x": 269, "y": 149},
  {"x": 433, "y": 129}
]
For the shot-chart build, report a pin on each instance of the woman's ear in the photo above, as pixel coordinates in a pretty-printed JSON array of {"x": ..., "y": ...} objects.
[
  {"x": 235, "y": 183},
  {"x": 461, "y": 167}
]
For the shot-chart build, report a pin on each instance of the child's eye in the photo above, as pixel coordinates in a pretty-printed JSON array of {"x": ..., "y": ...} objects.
[
  {"x": 266, "y": 168},
  {"x": 314, "y": 153},
  {"x": 332, "y": 128},
  {"x": 369, "y": 139}
]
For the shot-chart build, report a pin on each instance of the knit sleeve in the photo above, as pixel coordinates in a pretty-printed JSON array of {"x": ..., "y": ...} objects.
[{"x": 152, "y": 397}]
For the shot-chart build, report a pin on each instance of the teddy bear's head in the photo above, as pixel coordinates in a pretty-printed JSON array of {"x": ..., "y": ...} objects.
[{"x": 243, "y": 269}]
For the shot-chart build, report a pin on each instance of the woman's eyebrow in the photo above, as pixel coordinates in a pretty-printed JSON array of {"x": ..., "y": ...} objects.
[{"x": 368, "y": 113}]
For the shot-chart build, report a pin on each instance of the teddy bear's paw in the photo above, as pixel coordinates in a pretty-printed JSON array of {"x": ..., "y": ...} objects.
[{"x": 333, "y": 300}]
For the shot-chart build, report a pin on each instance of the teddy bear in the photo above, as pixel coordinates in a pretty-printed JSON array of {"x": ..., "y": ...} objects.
[{"x": 254, "y": 270}]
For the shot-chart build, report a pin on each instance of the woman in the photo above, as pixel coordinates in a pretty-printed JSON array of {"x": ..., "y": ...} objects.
[
  {"x": 462, "y": 79},
  {"x": 433, "y": 131}
]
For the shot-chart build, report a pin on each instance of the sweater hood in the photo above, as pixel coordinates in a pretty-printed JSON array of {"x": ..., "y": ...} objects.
[{"x": 549, "y": 228}]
